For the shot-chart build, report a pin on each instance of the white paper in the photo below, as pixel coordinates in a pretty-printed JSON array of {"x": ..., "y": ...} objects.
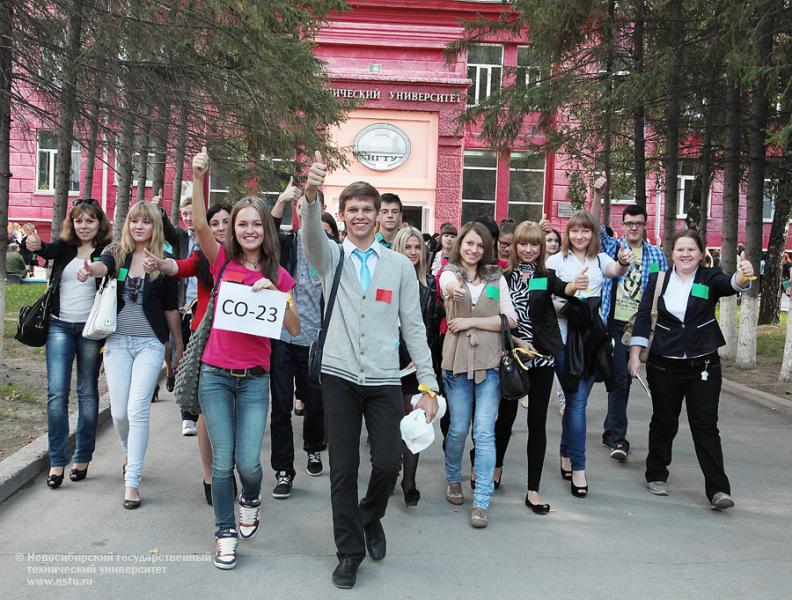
[{"x": 241, "y": 309}]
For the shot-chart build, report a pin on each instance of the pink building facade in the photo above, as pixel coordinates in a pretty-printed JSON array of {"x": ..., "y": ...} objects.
[{"x": 404, "y": 136}]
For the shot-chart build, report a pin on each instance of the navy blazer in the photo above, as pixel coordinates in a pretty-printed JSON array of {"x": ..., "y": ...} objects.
[{"x": 700, "y": 333}]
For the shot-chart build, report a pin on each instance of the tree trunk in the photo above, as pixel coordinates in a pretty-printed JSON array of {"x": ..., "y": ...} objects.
[
  {"x": 6, "y": 74},
  {"x": 124, "y": 157},
  {"x": 706, "y": 167},
  {"x": 770, "y": 307},
  {"x": 143, "y": 152},
  {"x": 672, "y": 124},
  {"x": 180, "y": 152},
  {"x": 639, "y": 144},
  {"x": 607, "y": 152},
  {"x": 731, "y": 209},
  {"x": 68, "y": 111},
  {"x": 159, "y": 146},
  {"x": 746, "y": 343},
  {"x": 93, "y": 135},
  {"x": 786, "y": 366}
]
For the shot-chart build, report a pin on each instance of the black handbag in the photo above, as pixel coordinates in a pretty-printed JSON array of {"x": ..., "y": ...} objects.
[
  {"x": 33, "y": 324},
  {"x": 317, "y": 347},
  {"x": 514, "y": 382}
]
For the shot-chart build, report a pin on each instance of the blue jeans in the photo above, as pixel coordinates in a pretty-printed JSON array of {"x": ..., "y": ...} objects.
[
  {"x": 461, "y": 394},
  {"x": 573, "y": 423},
  {"x": 235, "y": 410},
  {"x": 64, "y": 341},
  {"x": 615, "y": 426},
  {"x": 132, "y": 367}
]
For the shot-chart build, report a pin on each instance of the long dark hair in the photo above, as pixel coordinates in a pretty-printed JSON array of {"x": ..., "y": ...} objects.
[
  {"x": 483, "y": 232},
  {"x": 91, "y": 208},
  {"x": 270, "y": 247},
  {"x": 203, "y": 270}
]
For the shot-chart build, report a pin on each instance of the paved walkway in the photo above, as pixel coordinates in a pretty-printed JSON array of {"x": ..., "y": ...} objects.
[{"x": 621, "y": 542}]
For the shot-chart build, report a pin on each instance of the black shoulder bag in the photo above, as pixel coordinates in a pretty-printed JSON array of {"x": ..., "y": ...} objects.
[
  {"x": 317, "y": 348},
  {"x": 514, "y": 382},
  {"x": 33, "y": 325}
]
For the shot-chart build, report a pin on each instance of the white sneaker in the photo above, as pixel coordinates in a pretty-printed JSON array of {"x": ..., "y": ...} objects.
[
  {"x": 658, "y": 488},
  {"x": 249, "y": 518},
  {"x": 189, "y": 427},
  {"x": 225, "y": 548}
]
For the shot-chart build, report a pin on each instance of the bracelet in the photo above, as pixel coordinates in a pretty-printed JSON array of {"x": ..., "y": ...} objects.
[{"x": 424, "y": 387}]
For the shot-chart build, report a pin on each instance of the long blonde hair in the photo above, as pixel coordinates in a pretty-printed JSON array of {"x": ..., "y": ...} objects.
[
  {"x": 400, "y": 245},
  {"x": 156, "y": 244}
]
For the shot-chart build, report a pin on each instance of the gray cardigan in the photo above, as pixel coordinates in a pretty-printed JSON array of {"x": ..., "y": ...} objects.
[{"x": 362, "y": 344}]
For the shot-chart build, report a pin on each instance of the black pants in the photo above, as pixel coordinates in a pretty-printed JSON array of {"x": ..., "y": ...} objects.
[
  {"x": 289, "y": 362},
  {"x": 671, "y": 381},
  {"x": 538, "y": 398},
  {"x": 346, "y": 404}
]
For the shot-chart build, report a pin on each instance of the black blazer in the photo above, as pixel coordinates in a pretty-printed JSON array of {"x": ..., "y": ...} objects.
[
  {"x": 61, "y": 254},
  {"x": 546, "y": 334},
  {"x": 179, "y": 239},
  {"x": 700, "y": 333},
  {"x": 159, "y": 295}
]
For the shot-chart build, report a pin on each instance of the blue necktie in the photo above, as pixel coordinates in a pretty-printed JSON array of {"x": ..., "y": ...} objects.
[{"x": 365, "y": 273}]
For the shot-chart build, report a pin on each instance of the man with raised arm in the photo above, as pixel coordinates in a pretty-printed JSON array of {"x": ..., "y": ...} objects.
[{"x": 377, "y": 298}]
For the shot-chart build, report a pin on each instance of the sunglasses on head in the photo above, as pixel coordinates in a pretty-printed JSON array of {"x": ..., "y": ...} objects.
[{"x": 89, "y": 201}]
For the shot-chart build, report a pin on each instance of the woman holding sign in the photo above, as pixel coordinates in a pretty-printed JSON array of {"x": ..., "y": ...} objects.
[
  {"x": 532, "y": 286},
  {"x": 475, "y": 294},
  {"x": 234, "y": 386},
  {"x": 684, "y": 363},
  {"x": 581, "y": 263},
  {"x": 85, "y": 233},
  {"x": 133, "y": 355}
]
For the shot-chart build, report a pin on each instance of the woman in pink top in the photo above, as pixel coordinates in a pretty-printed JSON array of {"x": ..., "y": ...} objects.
[{"x": 234, "y": 386}]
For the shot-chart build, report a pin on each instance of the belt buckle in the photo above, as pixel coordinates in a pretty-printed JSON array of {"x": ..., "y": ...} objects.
[{"x": 238, "y": 372}]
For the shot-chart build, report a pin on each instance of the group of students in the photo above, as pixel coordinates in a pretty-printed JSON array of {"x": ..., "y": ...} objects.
[{"x": 397, "y": 309}]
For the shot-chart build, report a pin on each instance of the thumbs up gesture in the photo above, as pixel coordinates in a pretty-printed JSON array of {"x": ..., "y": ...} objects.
[
  {"x": 291, "y": 193},
  {"x": 316, "y": 176},
  {"x": 87, "y": 271},
  {"x": 582, "y": 281},
  {"x": 33, "y": 241},
  {"x": 745, "y": 270},
  {"x": 625, "y": 256},
  {"x": 157, "y": 199},
  {"x": 599, "y": 184},
  {"x": 200, "y": 163},
  {"x": 545, "y": 225}
]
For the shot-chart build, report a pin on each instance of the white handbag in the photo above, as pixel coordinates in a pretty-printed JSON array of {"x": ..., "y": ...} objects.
[{"x": 102, "y": 320}]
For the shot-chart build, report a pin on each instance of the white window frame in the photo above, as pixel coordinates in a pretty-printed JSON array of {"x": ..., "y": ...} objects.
[
  {"x": 768, "y": 180},
  {"x": 51, "y": 155},
  {"x": 494, "y": 201},
  {"x": 530, "y": 70},
  {"x": 485, "y": 68},
  {"x": 512, "y": 169},
  {"x": 681, "y": 196}
]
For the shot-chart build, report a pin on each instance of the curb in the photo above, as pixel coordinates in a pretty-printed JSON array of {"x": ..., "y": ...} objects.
[
  {"x": 771, "y": 401},
  {"x": 25, "y": 464}
]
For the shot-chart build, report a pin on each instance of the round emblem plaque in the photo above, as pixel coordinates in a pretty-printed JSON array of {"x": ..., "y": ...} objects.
[{"x": 382, "y": 147}]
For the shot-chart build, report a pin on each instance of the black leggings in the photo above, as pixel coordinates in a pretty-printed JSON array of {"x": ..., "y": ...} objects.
[{"x": 538, "y": 398}]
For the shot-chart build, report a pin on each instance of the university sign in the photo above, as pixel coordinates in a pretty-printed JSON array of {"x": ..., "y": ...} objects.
[{"x": 400, "y": 95}]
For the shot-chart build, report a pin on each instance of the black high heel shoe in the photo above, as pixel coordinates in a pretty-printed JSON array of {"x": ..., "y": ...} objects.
[
  {"x": 578, "y": 491},
  {"x": 539, "y": 509},
  {"x": 565, "y": 475},
  {"x": 78, "y": 474},
  {"x": 54, "y": 481},
  {"x": 496, "y": 482}
]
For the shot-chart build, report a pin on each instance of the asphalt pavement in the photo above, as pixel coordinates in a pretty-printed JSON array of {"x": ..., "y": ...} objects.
[{"x": 620, "y": 542}]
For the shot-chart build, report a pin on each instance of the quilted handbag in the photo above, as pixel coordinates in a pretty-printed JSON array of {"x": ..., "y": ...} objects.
[{"x": 189, "y": 371}]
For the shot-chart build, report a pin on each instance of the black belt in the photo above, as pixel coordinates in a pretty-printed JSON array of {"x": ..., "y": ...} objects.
[
  {"x": 252, "y": 371},
  {"x": 712, "y": 360}
]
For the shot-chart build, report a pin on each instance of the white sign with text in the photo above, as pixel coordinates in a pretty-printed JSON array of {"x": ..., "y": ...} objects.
[{"x": 241, "y": 309}]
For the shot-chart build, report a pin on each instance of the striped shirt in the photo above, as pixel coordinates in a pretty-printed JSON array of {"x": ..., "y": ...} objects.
[{"x": 132, "y": 320}]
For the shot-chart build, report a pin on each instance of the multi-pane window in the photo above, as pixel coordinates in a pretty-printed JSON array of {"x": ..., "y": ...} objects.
[
  {"x": 530, "y": 70},
  {"x": 220, "y": 183},
  {"x": 526, "y": 186},
  {"x": 136, "y": 164},
  {"x": 484, "y": 69},
  {"x": 479, "y": 179},
  {"x": 685, "y": 179},
  {"x": 47, "y": 163}
]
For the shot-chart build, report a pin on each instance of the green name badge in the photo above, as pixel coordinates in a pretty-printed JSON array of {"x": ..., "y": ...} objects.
[
  {"x": 537, "y": 284},
  {"x": 122, "y": 274},
  {"x": 312, "y": 272},
  {"x": 654, "y": 268},
  {"x": 785, "y": 285},
  {"x": 700, "y": 291},
  {"x": 492, "y": 291}
]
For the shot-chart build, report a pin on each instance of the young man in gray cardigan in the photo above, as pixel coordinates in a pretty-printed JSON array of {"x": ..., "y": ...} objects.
[{"x": 377, "y": 298}]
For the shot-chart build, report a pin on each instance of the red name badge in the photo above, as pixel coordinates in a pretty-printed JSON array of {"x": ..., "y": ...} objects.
[
  {"x": 384, "y": 296},
  {"x": 234, "y": 276}
]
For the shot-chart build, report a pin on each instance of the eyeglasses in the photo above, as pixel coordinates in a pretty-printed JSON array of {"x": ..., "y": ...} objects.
[
  {"x": 634, "y": 224},
  {"x": 88, "y": 201}
]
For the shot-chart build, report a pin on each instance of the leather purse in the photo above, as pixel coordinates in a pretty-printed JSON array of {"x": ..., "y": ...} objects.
[
  {"x": 317, "y": 347},
  {"x": 514, "y": 382},
  {"x": 101, "y": 321},
  {"x": 33, "y": 324}
]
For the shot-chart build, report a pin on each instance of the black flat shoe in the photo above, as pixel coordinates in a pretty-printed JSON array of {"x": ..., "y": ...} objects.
[
  {"x": 565, "y": 475},
  {"x": 345, "y": 573},
  {"x": 539, "y": 509},
  {"x": 208, "y": 492},
  {"x": 170, "y": 383},
  {"x": 375, "y": 540},
  {"x": 78, "y": 474},
  {"x": 54, "y": 481},
  {"x": 411, "y": 497},
  {"x": 131, "y": 504}
]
